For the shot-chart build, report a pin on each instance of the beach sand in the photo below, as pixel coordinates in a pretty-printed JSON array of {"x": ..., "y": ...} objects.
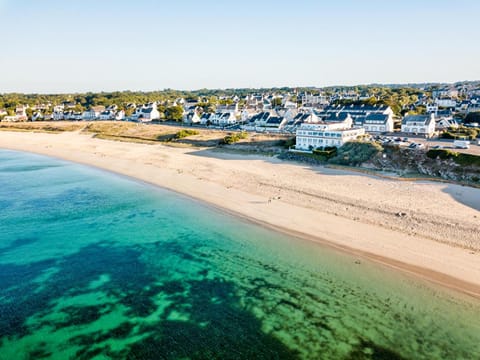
[{"x": 429, "y": 229}]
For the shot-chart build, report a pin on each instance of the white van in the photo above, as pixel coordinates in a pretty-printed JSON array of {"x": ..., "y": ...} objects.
[{"x": 461, "y": 144}]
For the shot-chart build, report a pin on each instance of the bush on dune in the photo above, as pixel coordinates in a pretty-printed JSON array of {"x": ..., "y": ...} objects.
[
  {"x": 185, "y": 133},
  {"x": 356, "y": 153}
]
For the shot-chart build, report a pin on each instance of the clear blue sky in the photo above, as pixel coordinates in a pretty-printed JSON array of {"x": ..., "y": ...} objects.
[{"x": 73, "y": 45}]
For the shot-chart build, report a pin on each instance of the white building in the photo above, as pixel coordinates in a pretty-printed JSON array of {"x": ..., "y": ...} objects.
[
  {"x": 58, "y": 115},
  {"x": 311, "y": 136},
  {"x": 432, "y": 108},
  {"x": 146, "y": 113},
  {"x": 120, "y": 115},
  {"x": 107, "y": 115},
  {"x": 93, "y": 113},
  {"x": 191, "y": 118},
  {"x": 375, "y": 123},
  {"x": 314, "y": 99},
  {"x": 223, "y": 118},
  {"x": 446, "y": 103},
  {"x": 419, "y": 125},
  {"x": 90, "y": 114},
  {"x": 37, "y": 115},
  {"x": 232, "y": 108},
  {"x": 21, "y": 113}
]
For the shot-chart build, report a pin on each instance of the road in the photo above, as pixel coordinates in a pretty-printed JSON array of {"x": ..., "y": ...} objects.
[{"x": 448, "y": 144}]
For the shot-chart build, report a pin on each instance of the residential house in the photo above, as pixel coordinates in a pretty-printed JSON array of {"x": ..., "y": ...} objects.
[
  {"x": 205, "y": 119},
  {"x": 446, "y": 103},
  {"x": 299, "y": 119},
  {"x": 341, "y": 117},
  {"x": 120, "y": 115},
  {"x": 58, "y": 115},
  {"x": 21, "y": 113},
  {"x": 275, "y": 123},
  {"x": 260, "y": 119},
  {"x": 229, "y": 108},
  {"x": 147, "y": 113},
  {"x": 290, "y": 104},
  {"x": 446, "y": 123},
  {"x": 375, "y": 123},
  {"x": 58, "y": 108},
  {"x": 93, "y": 113},
  {"x": 432, "y": 108},
  {"x": 107, "y": 115},
  {"x": 446, "y": 92},
  {"x": 419, "y": 125},
  {"x": 37, "y": 115},
  {"x": 309, "y": 99},
  {"x": 191, "y": 117},
  {"x": 223, "y": 118}
]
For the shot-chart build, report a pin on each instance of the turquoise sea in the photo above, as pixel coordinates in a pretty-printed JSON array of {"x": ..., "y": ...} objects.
[{"x": 98, "y": 266}]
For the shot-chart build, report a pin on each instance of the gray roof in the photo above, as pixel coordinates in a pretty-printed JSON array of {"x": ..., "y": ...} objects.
[
  {"x": 274, "y": 120},
  {"x": 336, "y": 117},
  {"x": 417, "y": 120},
  {"x": 376, "y": 119}
]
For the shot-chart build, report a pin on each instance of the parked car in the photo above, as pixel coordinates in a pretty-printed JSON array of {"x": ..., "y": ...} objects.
[{"x": 416, "y": 146}]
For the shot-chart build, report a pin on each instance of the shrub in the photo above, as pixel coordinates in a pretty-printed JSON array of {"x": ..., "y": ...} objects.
[
  {"x": 355, "y": 153},
  {"x": 185, "y": 133},
  {"x": 235, "y": 137}
]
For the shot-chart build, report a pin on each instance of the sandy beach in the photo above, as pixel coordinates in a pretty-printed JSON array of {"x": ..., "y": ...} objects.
[{"x": 425, "y": 228}]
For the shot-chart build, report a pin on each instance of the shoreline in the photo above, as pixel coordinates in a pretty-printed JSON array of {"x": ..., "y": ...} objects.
[{"x": 445, "y": 265}]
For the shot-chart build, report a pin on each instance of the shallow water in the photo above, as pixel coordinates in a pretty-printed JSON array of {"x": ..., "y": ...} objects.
[{"x": 97, "y": 266}]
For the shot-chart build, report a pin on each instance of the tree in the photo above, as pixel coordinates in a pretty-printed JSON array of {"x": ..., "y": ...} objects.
[
  {"x": 174, "y": 113},
  {"x": 277, "y": 102},
  {"x": 78, "y": 108}
]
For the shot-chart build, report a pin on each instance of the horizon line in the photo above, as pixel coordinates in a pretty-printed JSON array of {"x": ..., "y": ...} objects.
[{"x": 406, "y": 84}]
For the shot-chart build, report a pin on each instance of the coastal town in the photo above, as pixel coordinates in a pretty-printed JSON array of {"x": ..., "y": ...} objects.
[
  {"x": 319, "y": 118},
  {"x": 240, "y": 180}
]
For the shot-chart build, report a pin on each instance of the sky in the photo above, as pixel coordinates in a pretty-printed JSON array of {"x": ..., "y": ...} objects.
[{"x": 53, "y": 46}]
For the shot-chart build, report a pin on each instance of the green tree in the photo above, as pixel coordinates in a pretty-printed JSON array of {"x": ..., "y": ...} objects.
[
  {"x": 174, "y": 113},
  {"x": 277, "y": 102}
]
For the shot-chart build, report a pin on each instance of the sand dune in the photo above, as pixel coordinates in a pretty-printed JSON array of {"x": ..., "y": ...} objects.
[{"x": 430, "y": 229}]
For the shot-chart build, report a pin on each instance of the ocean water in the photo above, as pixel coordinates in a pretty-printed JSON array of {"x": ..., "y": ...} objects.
[{"x": 97, "y": 266}]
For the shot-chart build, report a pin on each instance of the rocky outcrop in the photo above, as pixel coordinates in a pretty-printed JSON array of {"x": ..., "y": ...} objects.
[{"x": 404, "y": 161}]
